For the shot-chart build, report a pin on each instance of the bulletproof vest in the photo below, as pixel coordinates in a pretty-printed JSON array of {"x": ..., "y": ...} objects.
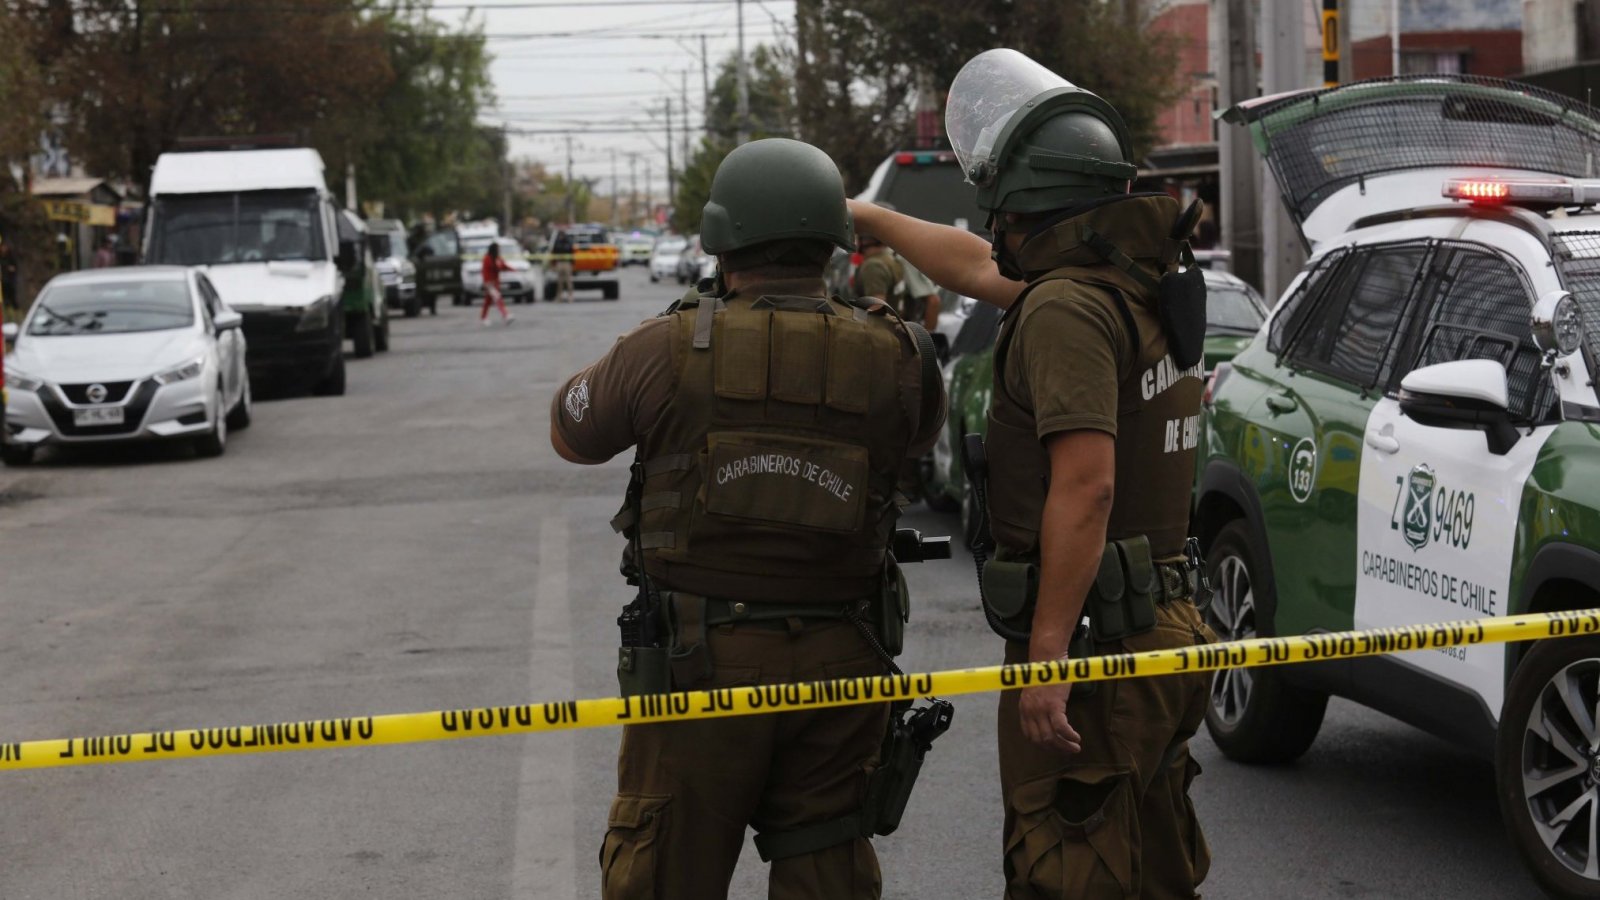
[
  {"x": 1158, "y": 406},
  {"x": 770, "y": 477}
]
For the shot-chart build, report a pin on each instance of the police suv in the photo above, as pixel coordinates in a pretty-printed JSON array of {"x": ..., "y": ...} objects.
[{"x": 1414, "y": 436}]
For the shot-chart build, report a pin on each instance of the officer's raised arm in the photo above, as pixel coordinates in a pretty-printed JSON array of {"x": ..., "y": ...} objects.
[{"x": 954, "y": 258}]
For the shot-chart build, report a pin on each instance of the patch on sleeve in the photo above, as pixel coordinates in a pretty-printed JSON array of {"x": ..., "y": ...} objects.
[{"x": 577, "y": 402}]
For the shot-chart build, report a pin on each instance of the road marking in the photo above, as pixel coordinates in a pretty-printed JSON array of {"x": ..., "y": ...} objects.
[{"x": 542, "y": 858}]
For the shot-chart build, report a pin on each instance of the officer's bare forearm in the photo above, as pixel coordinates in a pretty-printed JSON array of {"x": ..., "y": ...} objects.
[
  {"x": 930, "y": 316},
  {"x": 1072, "y": 534},
  {"x": 953, "y": 257}
]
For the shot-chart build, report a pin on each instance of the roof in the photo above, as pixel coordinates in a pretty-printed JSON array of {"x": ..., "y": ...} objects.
[
  {"x": 237, "y": 170},
  {"x": 69, "y": 187}
]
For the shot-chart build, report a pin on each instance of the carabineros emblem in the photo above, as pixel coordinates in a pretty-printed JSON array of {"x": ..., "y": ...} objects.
[{"x": 1417, "y": 520}]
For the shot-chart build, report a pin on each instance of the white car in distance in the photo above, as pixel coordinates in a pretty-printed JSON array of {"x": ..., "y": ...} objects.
[
  {"x": 664, "y": 258},
  {"x": 126, "y": 354}
]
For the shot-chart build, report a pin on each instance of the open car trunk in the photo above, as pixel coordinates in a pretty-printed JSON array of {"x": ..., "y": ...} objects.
[{"x": 1342, "y": 154}]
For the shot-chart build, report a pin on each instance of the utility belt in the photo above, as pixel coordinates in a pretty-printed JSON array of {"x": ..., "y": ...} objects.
[{"x": 664, "y": 648}]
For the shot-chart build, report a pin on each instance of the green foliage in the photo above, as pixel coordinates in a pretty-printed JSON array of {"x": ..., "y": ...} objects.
[
  {"x": 772, "y": 110},
  {"x": 857, "y": 63}
]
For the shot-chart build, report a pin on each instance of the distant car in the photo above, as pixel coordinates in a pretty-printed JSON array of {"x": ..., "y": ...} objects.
[
  {"x": 636, "y": 248},
  {"x": 438, "y": 262},
  {"x": 1234, "y": 313},
  {"x": 138, "y": 353},
  {"x": 516, "y": 285},
  {"x": 688, "y": 270},
  {"x": 664, "y": 258},
  {"x": 396, "y": 272},
  {"x": 594, "y": 263}
]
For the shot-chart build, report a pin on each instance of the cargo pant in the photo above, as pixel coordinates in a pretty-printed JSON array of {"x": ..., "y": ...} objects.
[
  {"x": 686, "y": 791},
  {"x": 1114, "y": 820}
]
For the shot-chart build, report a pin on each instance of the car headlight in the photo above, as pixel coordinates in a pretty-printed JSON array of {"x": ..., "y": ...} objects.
[
  {"x": 317, "y": 315},
  {"x": 188, "y": 370},
  {"x": 20, "y": 382}
]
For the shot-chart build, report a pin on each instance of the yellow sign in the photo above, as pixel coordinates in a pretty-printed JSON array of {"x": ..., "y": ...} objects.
[
  {"x": 82, "y": 213},
  {"x": 408, "y": 728},
  {"x": 1330, "y": 35}
]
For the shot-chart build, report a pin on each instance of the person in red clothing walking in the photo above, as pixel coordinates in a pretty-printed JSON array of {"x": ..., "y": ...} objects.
[{"x": 493, "y": 265}]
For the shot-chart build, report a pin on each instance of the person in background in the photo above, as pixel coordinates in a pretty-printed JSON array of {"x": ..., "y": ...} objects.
[
  {"x": 561, "y": 255},
  {"x": 493, "y": 265},
  {"x": 106, "y": 256}
]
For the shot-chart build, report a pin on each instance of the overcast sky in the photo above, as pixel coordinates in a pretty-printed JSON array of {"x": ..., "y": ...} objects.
[{"x": 601, "y": 69}]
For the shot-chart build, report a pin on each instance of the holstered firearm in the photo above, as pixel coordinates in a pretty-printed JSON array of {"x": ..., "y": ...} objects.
[{"x": 643, "y": 665}]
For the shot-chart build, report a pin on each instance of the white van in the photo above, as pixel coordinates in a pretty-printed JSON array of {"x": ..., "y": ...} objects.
[{"x": 262, "y": 224}]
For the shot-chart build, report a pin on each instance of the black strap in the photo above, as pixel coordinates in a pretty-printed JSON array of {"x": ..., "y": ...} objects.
[
  {"x": 773, "y": 845},
  {"x": 932, "y": 382}
]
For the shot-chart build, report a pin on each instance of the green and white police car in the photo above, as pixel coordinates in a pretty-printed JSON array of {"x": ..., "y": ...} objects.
[{"x": 1414, "y": 436}]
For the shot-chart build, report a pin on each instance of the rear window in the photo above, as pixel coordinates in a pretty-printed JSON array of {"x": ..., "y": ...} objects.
[
  {"x": 112, "y": 307},
  {"x": 935, "y": 192},
  {"x": 589, "y": 238}
]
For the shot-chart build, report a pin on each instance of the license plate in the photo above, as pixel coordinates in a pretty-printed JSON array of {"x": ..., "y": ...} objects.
[{"x": 102, "y": 415}]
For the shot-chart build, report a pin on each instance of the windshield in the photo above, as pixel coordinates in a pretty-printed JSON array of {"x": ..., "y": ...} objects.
[
  {"x": 112, "y": 307},
  {"x": 256, "y": 226},
  {"x": 589, "y": 238},
  {"x": 1232, "y": 308},
  {"x": 387, "y": 244},
  {"x": 671, "y": 245}
]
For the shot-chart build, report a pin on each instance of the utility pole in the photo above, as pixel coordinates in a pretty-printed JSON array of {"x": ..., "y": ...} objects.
[
  {"x": 571, "y": 200},
  {"x": 683, "y": 94},
  {"x": 1394, "y": 37},
  {"x": 649, "y": 198},
  {"x": 705, "y": 84},
  {"x": 1283, "y": 68},
  {"x": 633, "y": 189},
  {"x": 616, "y": 191},
  {"x": 1241, "y": 169},
  {"x": 672, "y": 175},
  {"x": 743, "y": 81}
]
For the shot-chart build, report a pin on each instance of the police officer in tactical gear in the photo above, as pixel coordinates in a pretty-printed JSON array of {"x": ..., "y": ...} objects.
[
  {"x": 770, "y": 422},
  {"x": 1092, "y": 440}
]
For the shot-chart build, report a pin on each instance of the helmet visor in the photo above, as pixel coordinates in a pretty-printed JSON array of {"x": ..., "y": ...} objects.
[{"x": 988, "y": 91}]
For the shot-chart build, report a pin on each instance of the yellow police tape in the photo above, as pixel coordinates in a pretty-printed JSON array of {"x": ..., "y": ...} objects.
[{"x": 407, "y": 728}]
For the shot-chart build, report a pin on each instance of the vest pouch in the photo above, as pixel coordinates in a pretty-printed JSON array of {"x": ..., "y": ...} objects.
[
  {"x": 643, "y": 670},
  {"x": 1123, "y": 600},
  {"x": 1182, "y": 305},
  {"x": 785, "y": 481},
  {"x": 1010, "y": 588}
]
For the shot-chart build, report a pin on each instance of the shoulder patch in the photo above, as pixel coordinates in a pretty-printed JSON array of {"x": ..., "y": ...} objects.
[{"x": 577, "y": 401}]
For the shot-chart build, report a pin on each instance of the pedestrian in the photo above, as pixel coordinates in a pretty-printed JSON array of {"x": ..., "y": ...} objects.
[
  {"x": 1096, "y": 398},
  {"x": 561, "y": 253},
  {"x": 105, "y": 256},
  {"x": 493, "y": 265},
  {"x": 8, "y": 278},
  {"x": 769, "y": 422}
]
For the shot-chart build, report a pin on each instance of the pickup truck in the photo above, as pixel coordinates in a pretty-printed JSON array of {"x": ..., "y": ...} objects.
[{"x": 594, "y": 262}]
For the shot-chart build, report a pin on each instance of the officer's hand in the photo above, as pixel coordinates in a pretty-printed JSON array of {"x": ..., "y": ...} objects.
[{"x": 1043, "y": 711}]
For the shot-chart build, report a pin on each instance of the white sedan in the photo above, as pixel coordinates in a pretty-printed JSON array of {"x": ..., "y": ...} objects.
[
  {"x": 125, "y": 354},
  {"x": 664, "y": 258},
  {"x": 516, "y": 284}
]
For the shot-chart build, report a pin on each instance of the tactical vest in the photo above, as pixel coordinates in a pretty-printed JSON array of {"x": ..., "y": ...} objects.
[
  {"x": 771, "y": 474},
  {"x": 1158, "y": 407}
]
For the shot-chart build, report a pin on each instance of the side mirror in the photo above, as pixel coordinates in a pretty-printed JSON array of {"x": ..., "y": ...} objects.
[
  {"x": 349, "y": 254},
  {"x": 9, "y": 332},
  {"x": 1557, "y": 327},
  {"x": 1466, "y": 393},
  {"x": 227, "y": 320}
]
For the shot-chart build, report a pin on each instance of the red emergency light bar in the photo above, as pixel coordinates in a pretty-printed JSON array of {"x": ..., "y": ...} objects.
[
  {"x": 923, "y": 158},
  {"x": 1493, "y": 191}
]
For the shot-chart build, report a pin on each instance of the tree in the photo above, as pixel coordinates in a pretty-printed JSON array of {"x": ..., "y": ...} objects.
[
  {"x": 772, "y": 110},
  {"x": 22, "y": 120},
  {"x": 856, "y": 63}
]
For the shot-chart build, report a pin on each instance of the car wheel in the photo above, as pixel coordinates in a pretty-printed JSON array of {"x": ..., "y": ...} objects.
[
  {"x": 433, "y": 304},
  {"x": 413, "y": 307},
  {"x": 380, "y": 336},
  {"x": 654, "y": 278},
  {"x": 215, "y": 443},
  {"x": 359, "y": 327},
  {"x": 1253, "y": 715},
  {"x": 610, "y": 291},
  {"x": 332, "y": 384},
  {"x": 239, "y": 416},
  {"x": 549, "y": 291},
  {"x": 16, "y": 454},
  {"x": 1547, "y": 764}
]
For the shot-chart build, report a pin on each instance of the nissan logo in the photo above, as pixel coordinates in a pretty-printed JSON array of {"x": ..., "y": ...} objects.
[{"x": 96, "y": 393}]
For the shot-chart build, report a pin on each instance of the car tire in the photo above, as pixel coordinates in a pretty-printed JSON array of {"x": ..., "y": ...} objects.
[
  {"x": 239, "y": 416},
  {"x": 380, "y": 336},
  {"x": 1253, "y": 715},
  {"x": 654, "y": 278},
  {"x": 610, "y": 291},
  {"x": 16, "y": 455},
  {"x": 1538, "y": 738},
  {"x": 359, "y": 327},
  {"x": 549, "y": 291},
  {"x": 214, "y": 444},
  {"x": 433, "y": 304},
  {"x": 332, "y": 384},
  {"x": 413, "y": 307}
]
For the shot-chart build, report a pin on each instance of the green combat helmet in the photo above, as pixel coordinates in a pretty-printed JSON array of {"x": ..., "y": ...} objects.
[
  {"x": 1032, "y": 141},
  {"x": 775, "y": 189}
]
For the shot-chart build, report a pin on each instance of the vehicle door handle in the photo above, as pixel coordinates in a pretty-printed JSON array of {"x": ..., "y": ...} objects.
[
  {"x": 1280, "y": 403},
  {"x": 1383, "y": 442}
]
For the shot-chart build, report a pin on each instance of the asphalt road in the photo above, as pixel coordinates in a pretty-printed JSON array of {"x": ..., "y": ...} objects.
[{"x": 416, "y": 545}]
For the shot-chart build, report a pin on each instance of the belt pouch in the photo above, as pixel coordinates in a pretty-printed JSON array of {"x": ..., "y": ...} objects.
[
  {"x": 1122, "y": 603},
  {"x": 689, "y": 657},
  {"x": 643, "y": 670},
  {"x": 1010, "y": 588}
]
